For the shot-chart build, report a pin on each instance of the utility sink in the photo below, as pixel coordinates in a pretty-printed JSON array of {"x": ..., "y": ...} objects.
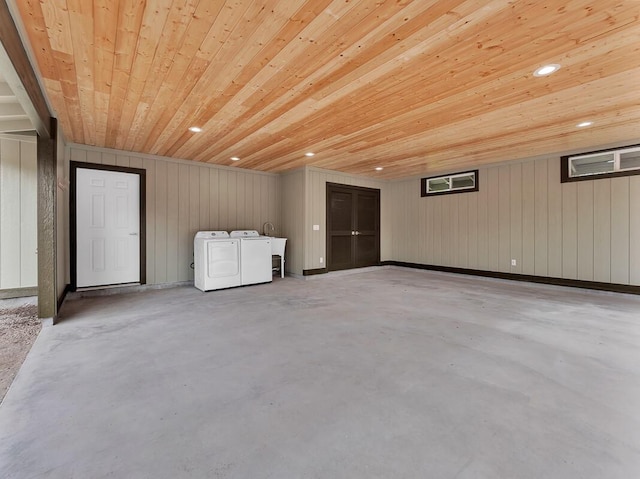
[
  {"x": 277, "y": 246},
  {"x": 277, "y": 249}
]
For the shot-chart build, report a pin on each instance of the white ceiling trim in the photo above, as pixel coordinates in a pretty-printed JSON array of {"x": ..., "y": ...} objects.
[{"x": 16, "y": 110}]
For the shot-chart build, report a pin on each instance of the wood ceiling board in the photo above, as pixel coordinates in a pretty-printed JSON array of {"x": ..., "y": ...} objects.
[
  {"x": 56, "y": 17},
  {"x": 39, "y": 36},
  {"x": 198, "y": 88},
  {"x": 153, "y": 23},
  {"x": 466, "y": 139},
  {"x": 81, "y": 16},
  {"x": 440, "y": 113},
  {"x": 515, "y": 121},
  {"x": 392, "y": 51},
  {"x": 288, "y": 105},
  {"x": 105, "y": 20},
  {"x": 238, "y": 108},
  {"x": 359, "y": 83},
  {"x": 268, "y": 75},
  {"x": 57, "y": 20},
  {"x": 239, "y": 65},
  {"x": 129, "y": 22},
  {"x": 621, "y": 126},
  {"x": 184, "y": 67},
  {"x": 614, "y": 133},
  {"x": 171, "y": 39},
  {"x": 367, "y": 113},
  {"x": 378, "y": 134},
  {"x": 548, "y": 146},
  {"x": 474, "y": 81}
]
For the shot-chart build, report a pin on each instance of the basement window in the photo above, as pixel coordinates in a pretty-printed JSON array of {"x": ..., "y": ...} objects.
[
  {"x": 454, "y": 183},
  {"x": 601, "y": 164}
]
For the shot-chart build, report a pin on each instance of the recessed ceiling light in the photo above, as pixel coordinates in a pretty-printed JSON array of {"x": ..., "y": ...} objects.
[
  {"x": 195, "y": 129},
  {"x": 584, "y": 123},
  {"x": 545, "y": 70},
  {"x": 309, "y": 153},
  {"x": 234, "y": 158},
  {"x": 379, "y": 168}
]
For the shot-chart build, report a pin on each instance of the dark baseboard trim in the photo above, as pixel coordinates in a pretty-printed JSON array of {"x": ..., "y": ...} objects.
[
  {"x": 65, "y": 291},
  {"x": 18, "y": 293},
  {"x": 311, "y": 272},
  {"x": 574, "y": 283}
]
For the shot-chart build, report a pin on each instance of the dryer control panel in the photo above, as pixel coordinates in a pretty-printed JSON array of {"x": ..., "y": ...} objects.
[{"x": 212, "y": 234}]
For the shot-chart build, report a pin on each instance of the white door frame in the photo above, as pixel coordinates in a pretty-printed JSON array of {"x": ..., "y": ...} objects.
[{"x": 73, "y": 166}]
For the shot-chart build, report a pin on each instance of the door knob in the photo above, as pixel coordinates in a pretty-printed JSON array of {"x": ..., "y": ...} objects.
[
  {"x": 353, "y": 233},
  {"x": 357, "y": 233}
]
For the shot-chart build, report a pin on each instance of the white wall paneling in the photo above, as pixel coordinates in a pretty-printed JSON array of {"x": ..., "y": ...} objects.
[{"x": 18, "y": 212}]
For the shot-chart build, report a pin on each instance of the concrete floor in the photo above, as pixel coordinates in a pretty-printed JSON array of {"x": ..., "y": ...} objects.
[{"x": 387, "y": 374}]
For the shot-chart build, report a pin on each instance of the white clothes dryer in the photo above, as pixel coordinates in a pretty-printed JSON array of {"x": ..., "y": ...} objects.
[{"x": 216, "y": 260}]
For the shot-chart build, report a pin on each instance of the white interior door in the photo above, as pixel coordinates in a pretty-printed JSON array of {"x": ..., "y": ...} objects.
[{"x": 107, "y": 227}]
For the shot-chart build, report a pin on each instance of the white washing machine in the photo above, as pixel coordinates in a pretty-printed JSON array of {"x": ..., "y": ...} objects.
[
  {"x": 255, "y": 256},
  {"x": 216, "y": 260}
]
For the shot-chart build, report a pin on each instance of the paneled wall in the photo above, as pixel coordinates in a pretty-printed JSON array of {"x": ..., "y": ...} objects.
[
  {"x": 185, "y": 197},
  {"x": 18, "y": 212},
  {"x": 586, "y": 230},
  {"x": 316, "y": 213},
  {"x": 293, "y": 210}
]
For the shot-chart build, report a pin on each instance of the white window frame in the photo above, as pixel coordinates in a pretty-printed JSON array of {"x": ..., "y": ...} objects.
[
  {"x": 425, "y": 191},
  {"x": 567, "y": 163}
]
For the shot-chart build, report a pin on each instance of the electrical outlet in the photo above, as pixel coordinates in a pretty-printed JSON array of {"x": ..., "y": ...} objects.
[
  {"x": 316, "y": 227},
  {"x": 321, "y": 260},
  {"x": 514, "y": 262}
]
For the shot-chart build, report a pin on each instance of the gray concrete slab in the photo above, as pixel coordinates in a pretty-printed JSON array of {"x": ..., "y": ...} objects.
[{"x": 387, "y": 374}]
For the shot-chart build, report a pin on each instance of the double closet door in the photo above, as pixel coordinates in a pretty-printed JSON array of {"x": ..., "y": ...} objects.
[{"x": 353, "y": 227}]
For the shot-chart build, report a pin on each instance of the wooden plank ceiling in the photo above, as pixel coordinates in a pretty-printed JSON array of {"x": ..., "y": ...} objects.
[{"x": 413, "y": 86}]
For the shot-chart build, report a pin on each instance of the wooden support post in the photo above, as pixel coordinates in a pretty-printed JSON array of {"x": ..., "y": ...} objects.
[{"x": 47, "y": 162}]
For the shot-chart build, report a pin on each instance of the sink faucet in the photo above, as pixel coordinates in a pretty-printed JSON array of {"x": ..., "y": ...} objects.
[{"x": 265, "y": 228}]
